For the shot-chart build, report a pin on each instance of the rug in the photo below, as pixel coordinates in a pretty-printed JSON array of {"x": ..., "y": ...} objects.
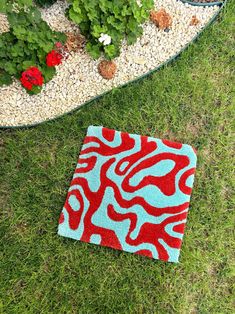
[{"x": 131, "y": 193}]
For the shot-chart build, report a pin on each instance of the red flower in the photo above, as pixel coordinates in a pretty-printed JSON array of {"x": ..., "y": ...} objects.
[
  {"x": 31, "y": 77},
  {"x": 53, "y": 58}
]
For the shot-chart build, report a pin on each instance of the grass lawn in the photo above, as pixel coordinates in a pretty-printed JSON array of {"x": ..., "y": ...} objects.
[{"x": 190, "y": 101}]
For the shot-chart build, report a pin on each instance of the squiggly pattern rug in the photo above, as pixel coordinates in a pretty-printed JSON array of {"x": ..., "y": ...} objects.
[{"x": 131, "y": 193}]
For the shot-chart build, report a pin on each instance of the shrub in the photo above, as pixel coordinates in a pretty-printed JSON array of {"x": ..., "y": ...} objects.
[
  {"x": 105, "y": 23},
  {"x": 44, "y": 3},
  {"x": 26, "y": 46}
]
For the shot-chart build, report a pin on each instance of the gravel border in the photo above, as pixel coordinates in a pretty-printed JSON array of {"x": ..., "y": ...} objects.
[{"x": 77, "y": 80}]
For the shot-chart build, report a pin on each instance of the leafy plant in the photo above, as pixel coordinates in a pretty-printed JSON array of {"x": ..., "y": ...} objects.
[
  {"x": 26, "y": 45},
  {"x": 117, "y": 19},
  {"x": 44, "y": 3},
  {"x": 7, "y": 6}
]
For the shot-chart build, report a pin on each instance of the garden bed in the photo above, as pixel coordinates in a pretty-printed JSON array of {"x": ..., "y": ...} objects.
[{"x": 77, "y": 80}]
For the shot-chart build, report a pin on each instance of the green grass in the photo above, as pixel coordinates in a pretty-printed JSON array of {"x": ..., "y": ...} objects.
[{"x": 190, "y": 101}]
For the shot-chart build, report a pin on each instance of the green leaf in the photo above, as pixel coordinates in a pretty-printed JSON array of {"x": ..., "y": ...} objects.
[
  {"x": 25, "y": 3},
  {"x": 28, "y": 64},
  {"x": 20, "y": 32},
  {"x": 41, "y": 54},
  {"x": 5, "y": 78},
  {"x": 75, "y": 17},
  {"x": 93, "y": 50},
  {"x": 46, "y": 46},
  {"x": 36, "y": 15},
  {"x": 97, "y": 30},
  {"x": 76, "y": 7},
  {"x": 132, "y": 36},
  {"x": 35, "y": 90},
  {"x": 10, "y": 68},
  {"x": 48, "y": 73},
  {"x": 17, "y": 50},
  {"x": 3, "y": 6},
  {"x": 111, "y": 51}
]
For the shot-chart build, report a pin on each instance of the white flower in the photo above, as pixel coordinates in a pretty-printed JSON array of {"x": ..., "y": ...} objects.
[
  {"x": 139, "y": 2},
  {"x": 105, "y": 39}
]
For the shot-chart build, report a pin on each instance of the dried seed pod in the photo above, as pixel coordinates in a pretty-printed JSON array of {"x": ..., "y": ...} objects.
[
  {"x": 194, "y": 21},
  {"x": 161, "y": 19},
  {"x": 74, "y": 41},
  {"x": 107, "y": 69}
]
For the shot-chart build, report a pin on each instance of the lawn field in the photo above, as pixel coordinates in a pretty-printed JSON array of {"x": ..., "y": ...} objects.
[{"x": 191, "y": 101}]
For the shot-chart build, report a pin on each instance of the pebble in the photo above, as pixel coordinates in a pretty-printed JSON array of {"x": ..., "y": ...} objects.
[
  {"x": 4, "y": 25},
  {"x": 77, "y": 79},
  {"x": 140, "y": 61}
]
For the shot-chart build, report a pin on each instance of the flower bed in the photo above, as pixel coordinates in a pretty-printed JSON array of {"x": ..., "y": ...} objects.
[{"x": 78, "y": 78}]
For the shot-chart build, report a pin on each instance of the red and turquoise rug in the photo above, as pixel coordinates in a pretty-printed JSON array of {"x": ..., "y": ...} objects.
[{"x": 131, "y": 193}]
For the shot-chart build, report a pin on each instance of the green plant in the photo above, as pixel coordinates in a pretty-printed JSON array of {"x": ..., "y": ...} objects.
[
  {"x": 44, "y": 3},
  {"x": 114, "y": 19},
  {"x": 26, "y": 45},
  {"x": 7, "y": 6}
]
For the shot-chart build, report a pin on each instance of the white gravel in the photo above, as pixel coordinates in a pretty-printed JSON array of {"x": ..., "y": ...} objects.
[
  {"x": 77, "y": 79},
  {"x": 4, "y": 25}
]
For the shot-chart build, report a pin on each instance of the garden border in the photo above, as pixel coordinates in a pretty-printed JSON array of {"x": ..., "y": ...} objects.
[
  {"x": 203, "y": 4},
  {"x": 222, "y": 4}
]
